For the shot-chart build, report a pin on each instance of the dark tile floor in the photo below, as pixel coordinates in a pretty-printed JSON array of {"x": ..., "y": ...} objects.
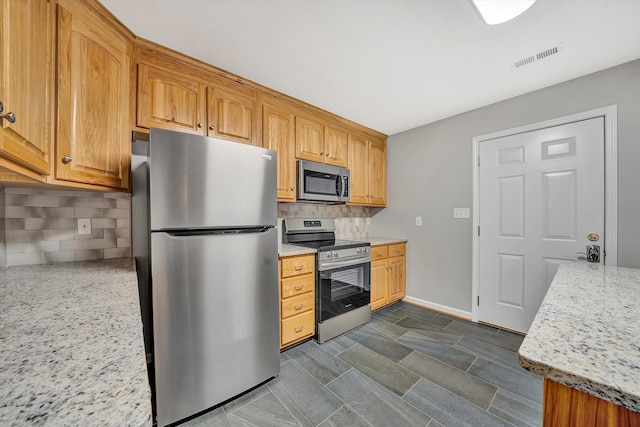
[{"x": 408, "y": 367}]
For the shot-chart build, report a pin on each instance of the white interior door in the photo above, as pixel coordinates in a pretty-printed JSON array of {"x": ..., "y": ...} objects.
[{"x": 541, "y": 198}]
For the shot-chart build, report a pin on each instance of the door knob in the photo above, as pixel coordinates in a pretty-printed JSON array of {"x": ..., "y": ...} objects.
[
  {"x": 593, "y": 253},
  {"x": 10, "y": 117}
]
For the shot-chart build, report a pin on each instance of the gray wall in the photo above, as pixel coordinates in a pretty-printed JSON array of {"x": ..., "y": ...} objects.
[{"x": 430, "y": 173}]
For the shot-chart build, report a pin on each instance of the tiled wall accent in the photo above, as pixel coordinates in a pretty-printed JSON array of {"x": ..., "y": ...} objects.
[
  {"x": 41, "y": 226},
  {"x": 346, "y": 217}
]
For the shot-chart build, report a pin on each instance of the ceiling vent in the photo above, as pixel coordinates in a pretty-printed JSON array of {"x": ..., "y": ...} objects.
[{"x": 538, "y": 56}]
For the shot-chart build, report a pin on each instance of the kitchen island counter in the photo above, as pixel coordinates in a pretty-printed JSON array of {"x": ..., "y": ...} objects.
[
  {"x": 585, "y": 335},
  {"x": 72, "y": 351}
]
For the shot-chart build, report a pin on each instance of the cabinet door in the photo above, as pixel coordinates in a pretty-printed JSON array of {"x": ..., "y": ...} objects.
[
  {"x": 93, "y": 100},
  {"x": 27, "y": 82},
  {"x": 397, "y": 280},
  {"x": 169, "y": 100},
  {"x": 336, "y": 150},
  {"x": 309, "y": 140},
  {"x": 379, "y": 283},
  {"x": 278, "y": 132},
  {"x": 377, "y": 173},
  {"x": 232, "y": 114},
  {"x": 359, "y": 169}
]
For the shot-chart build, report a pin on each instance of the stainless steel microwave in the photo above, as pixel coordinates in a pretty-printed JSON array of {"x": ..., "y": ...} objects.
[{"x": 318, "y": 182}]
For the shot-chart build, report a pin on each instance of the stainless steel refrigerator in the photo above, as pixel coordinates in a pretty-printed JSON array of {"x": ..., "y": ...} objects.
[{"x": 204, "y": 213}]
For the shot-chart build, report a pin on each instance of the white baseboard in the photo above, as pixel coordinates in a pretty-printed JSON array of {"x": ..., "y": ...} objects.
[{"x": 439, "y": 307}]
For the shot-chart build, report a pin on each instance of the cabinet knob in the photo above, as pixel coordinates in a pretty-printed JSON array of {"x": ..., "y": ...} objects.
[
  {"x": 211, "y": 127},
  {"x": 66, "y": 159},
  {"x": 9, "y": 116},
  {"x": 293, "y": 188},
  {"x": 200, "y": 124},
  {"x": 322, "y": 153}
]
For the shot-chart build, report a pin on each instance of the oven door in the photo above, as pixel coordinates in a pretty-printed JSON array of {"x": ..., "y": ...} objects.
[{"x": 343, "y": 289}]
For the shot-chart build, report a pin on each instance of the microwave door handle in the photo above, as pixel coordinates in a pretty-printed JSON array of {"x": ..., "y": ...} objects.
[{"x": 340, "y": 185}]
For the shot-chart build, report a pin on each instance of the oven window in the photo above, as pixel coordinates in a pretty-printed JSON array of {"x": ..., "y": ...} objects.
[
  {"x": 320, "y": 183},
  {"x": 344, "y": 289}
]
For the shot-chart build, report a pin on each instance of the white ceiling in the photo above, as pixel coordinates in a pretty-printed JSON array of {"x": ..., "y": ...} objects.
[{"x": 390, "y": 65}]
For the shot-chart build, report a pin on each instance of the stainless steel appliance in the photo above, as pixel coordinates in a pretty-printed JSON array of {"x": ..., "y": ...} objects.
[
  {"x": 318, "y": 182},
  {"x": 204, "y": 238},
  {"x": 343, "y": 269}
]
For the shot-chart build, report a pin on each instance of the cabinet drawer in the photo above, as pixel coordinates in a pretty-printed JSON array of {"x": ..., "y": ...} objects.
[
  {"x": 297, "y": 327},
  {"x": 297, "y": 305},
  {"x": 295, "y": 266},
  {"x": 379, "y": 252},
  {"x": 297, "y": 285},
  {"x": 397, "y": 249}
]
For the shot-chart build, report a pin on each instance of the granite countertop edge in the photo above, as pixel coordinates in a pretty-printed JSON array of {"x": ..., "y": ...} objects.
[{"x": 583, "y": 334}]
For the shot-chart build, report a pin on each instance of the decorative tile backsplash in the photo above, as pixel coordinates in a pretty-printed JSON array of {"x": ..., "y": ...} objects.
[
  {"x": 346, "y": 217},
  {"x": 40, "y": 226}
]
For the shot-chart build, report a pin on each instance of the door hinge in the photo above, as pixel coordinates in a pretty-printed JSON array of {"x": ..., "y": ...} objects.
[
  {"x": 478, "y": 299},
  {"x": 478, "y": 231},
  {"x": 478, "y": 161}
]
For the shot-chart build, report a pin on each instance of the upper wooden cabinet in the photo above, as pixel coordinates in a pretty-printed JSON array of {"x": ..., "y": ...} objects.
[
  {"x": 335, "y": 147},
  {"x": 170, "y": 100},
  {"x": 309, "y": 140},
  {"x": 93, "y": 138},
  {"x": 368, "y": 167},
  {"x": 176, "y": 96},
  {"x": 320, "y": 143},
  {"x": 26, "y": 83},
  {"x": 233, "y": 113},
  {"x": 278, "y": 134}
]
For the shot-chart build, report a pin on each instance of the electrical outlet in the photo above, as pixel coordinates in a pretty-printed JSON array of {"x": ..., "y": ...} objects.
[
  {"x": 357, "y": 221},
  {"x": 418, "y": 221},
  {"x": 461, "y": 212},
  {"x": 84, "y": 226},
  {"x": 368, "y": 221}
]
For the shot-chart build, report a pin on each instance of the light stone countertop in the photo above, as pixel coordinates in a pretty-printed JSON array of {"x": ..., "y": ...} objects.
[
  {"x": 586, "y": 334},
  {"x": 71, "y": 346},
  {"x": 285, "y": 249}
]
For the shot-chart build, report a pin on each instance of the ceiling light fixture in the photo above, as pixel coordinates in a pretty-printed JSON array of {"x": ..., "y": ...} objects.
[{"x": 495, "y": 12}]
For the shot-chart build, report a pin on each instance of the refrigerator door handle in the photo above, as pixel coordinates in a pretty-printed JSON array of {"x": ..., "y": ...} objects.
[{"x": 205, "y": 232}]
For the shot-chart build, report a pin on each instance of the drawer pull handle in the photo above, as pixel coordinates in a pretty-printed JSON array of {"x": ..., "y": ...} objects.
[
  {"x": 299, "y": 287},
  {"x": 298, "y": 307},
  {"x": 299, "y": 329},
  {"x": 298, "y": 267}
]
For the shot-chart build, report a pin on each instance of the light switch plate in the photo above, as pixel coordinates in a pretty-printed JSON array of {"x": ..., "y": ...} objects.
[
  {"x": 84, "y": 226},
  {"x": 418, "y": 221},
  {"x": 461, "y": 212}
]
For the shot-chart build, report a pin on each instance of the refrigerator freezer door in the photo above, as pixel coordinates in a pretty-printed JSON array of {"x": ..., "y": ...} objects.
[
  {"x": 198, "y": 182},
  {"x": 215, "y": 310}
]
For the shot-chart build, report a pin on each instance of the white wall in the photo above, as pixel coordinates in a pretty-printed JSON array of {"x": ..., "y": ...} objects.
[{"x": 430, "y": 173}]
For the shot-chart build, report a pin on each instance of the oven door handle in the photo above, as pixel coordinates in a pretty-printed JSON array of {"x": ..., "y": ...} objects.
[{"x": 324, "y": 266}]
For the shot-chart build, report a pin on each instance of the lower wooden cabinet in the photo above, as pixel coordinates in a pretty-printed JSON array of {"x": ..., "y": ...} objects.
[
  {"x": 388, "y": 274},
  {"x": 567, "y": 406},
  {"x": 297, "y": 298}
]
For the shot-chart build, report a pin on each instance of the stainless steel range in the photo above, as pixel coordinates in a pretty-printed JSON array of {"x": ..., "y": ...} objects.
[{"x": 343, "y": 268}]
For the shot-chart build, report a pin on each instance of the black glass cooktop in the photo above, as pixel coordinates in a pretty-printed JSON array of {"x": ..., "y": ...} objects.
[{"x": 332, "y": 244}]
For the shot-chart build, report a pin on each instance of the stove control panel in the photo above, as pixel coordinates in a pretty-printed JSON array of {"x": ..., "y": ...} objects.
[{"x": 312, "y": 223}]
